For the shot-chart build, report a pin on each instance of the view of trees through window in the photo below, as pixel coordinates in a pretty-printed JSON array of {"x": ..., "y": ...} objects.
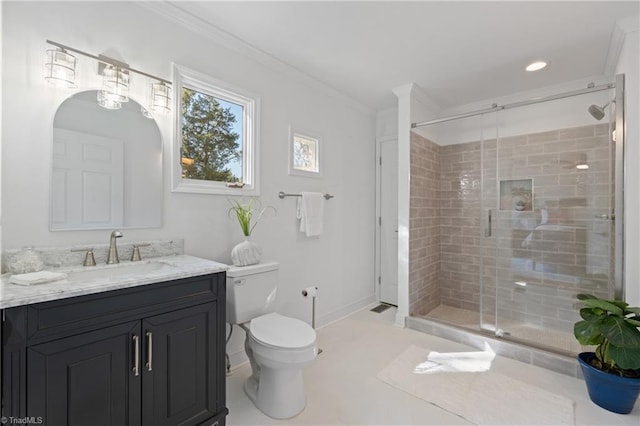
[{"x": 211, "y": 138}]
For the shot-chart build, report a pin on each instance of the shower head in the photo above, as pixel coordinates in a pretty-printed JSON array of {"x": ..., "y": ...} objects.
[{"x": 597, "y": 111}]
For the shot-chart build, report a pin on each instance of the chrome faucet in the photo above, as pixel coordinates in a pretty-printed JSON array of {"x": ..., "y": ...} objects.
[{"x": 113, "y": 249}]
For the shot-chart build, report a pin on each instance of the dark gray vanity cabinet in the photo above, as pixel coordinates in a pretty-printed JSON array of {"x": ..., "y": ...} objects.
[
  {"x": 84, "y": 379},
  {"x": 151, "y": 355}
]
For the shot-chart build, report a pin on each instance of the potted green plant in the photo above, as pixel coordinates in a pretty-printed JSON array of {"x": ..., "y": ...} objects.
[
  {"x": 612, "y": 371},
  {"x": 248, "y": 212}
]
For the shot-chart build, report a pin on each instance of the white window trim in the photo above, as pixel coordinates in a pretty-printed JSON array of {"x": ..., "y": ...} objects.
[
  {"x": 251, "y": 134},
  {"x": 309, "y": 135}
]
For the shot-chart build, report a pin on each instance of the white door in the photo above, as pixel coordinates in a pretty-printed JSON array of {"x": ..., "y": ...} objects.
[
  {"x": 389, "y": 222},
  {"x": 87, "y": 181}
]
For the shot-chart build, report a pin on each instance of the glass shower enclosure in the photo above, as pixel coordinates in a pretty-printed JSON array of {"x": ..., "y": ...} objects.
[{"x": 526, "y": 217}]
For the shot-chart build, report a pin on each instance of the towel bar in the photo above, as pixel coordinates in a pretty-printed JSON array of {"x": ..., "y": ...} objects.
[{"x": 282, "y": 195}]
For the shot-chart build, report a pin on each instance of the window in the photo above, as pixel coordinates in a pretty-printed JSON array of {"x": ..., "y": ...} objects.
[
  {"x": 304, "y": 154},
  {"x": 216, "y": 140}
]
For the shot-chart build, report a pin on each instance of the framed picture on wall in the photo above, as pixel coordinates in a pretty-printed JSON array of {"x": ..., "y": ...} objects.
[
  {"x": 304, "y": 154},
  {"x": 516, "y": 195}
]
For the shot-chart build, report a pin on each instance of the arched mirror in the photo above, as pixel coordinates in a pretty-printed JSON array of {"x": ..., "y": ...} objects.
[{"x": 106, "y": 166}]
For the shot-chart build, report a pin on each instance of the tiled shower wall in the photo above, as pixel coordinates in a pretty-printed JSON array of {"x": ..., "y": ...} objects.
[
  {"x": 459, "y": 200},
  {"x": 424, "y": 239},
  {"x": 444, "y": 239},
  {"x": 565, "y": 255}
]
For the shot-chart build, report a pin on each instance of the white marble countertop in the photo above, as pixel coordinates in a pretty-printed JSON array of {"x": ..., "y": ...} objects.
[{"x": 96, "y": 279}]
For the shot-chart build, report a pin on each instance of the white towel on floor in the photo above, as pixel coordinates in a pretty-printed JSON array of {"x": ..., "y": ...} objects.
[
  {"x": 457, "y": 362},
  {"x": 311, "y": 213},
  {"x": 37, "y": 277}
]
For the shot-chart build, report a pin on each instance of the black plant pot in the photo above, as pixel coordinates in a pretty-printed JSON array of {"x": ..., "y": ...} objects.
[{"x": 611, "y": 392}]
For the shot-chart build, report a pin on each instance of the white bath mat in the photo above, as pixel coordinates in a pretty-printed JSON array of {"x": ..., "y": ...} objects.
[{"x": 486, "y": 398}]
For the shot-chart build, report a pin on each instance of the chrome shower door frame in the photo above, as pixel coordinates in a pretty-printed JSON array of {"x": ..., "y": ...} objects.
[
  {"x": 490, "y": 318},
  {"x": 620, "y": 165}
]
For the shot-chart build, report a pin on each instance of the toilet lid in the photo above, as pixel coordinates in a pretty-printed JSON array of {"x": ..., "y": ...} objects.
[{"x": 280, "y": 331}]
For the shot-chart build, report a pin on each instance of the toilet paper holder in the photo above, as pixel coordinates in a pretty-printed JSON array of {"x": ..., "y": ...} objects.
[{"x": 312, "y": 292}]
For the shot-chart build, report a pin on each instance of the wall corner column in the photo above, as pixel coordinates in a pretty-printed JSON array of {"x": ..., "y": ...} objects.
[{"x": 404, "y": 180}]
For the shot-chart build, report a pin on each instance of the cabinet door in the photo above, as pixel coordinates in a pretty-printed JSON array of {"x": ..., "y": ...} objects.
[
  {"x": 181, "y": 367},
  {"x": 86, "y": 379}
]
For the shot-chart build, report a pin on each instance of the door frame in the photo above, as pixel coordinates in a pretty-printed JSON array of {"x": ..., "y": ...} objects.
[{"x": 378, "y": 235}]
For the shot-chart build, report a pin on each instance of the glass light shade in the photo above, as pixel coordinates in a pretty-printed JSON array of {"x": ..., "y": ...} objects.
[
  {"x": 115, "y": 84},
  {"x": 60, "y": 68},
  {"x": 160, "y": 97},
  {"x": 106, "y": 101}
]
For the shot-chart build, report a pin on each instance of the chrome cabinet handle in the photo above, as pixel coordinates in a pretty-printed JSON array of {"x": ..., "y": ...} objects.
[
  {"x": 136, "y": 355},
  {"x": 149, "y": 363}
]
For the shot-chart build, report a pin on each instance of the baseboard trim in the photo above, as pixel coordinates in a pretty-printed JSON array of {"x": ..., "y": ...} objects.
[{"x": 345, "y": 311}]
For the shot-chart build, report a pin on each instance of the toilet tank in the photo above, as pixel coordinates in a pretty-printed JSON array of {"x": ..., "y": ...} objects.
[{"x": 251, "y": 291}]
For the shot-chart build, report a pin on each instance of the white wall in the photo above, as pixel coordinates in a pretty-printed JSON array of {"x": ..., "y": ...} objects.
[
  {"x": 387, "y": 123},
  {"x": 340, "y": 262}
]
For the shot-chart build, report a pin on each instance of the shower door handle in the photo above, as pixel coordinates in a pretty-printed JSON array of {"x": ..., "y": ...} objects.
[
  {"x": 605, "y": 216},
  {"x": 487, "y": 230}
]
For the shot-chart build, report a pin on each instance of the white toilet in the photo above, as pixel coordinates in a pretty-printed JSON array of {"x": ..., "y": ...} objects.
[{"x": 278, "y": 347}]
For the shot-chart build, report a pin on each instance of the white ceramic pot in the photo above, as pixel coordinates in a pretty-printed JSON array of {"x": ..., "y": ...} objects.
[{"x": 246, "y": 253}]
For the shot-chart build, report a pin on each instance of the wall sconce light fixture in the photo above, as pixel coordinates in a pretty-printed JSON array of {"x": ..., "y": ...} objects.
[
  {"x": 115, "y": 83},
  {"x": 60, "y": 69},
  {"x": 160, "y": 97}
]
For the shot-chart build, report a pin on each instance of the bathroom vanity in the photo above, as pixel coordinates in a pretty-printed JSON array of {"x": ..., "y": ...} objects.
[{"x": 146, "y": 347}]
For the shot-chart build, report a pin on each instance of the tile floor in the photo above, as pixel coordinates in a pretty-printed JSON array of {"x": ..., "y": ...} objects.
[{"x": 342, "y": 388}]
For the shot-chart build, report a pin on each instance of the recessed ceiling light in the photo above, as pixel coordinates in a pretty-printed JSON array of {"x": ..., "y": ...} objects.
[
  {"x": 535, "y": 66},
  {"x": 582, "y": 166}
]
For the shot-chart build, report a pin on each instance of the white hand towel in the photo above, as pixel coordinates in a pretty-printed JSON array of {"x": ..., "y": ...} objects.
[
  {"x": 311, "y": 213},
  {"x": 37, "y": 277}
]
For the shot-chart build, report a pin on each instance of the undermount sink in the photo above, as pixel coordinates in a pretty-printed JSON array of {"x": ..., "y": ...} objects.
[{"x": 120, "y": 271}]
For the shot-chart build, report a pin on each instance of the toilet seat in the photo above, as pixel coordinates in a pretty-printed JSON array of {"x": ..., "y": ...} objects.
[{"x": 282, "y": 332}]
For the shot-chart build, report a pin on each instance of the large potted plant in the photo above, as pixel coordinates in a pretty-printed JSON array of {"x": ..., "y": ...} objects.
[
  {"x": 248, "y": 213},
  {"x": 612, "y": 371}
]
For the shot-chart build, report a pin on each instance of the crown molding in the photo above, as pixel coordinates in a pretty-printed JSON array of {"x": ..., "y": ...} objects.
[
  {"x": 620, "y": 31},
  {"x": 404, "y": 90},
  {"x": 421, "y": 95},
  {"x": 173, "y": 12}
]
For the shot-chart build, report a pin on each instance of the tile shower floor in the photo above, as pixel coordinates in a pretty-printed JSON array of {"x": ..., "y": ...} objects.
[
  {"x": 342, "y": 388},
  {"x": 518, "y": 331}
]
